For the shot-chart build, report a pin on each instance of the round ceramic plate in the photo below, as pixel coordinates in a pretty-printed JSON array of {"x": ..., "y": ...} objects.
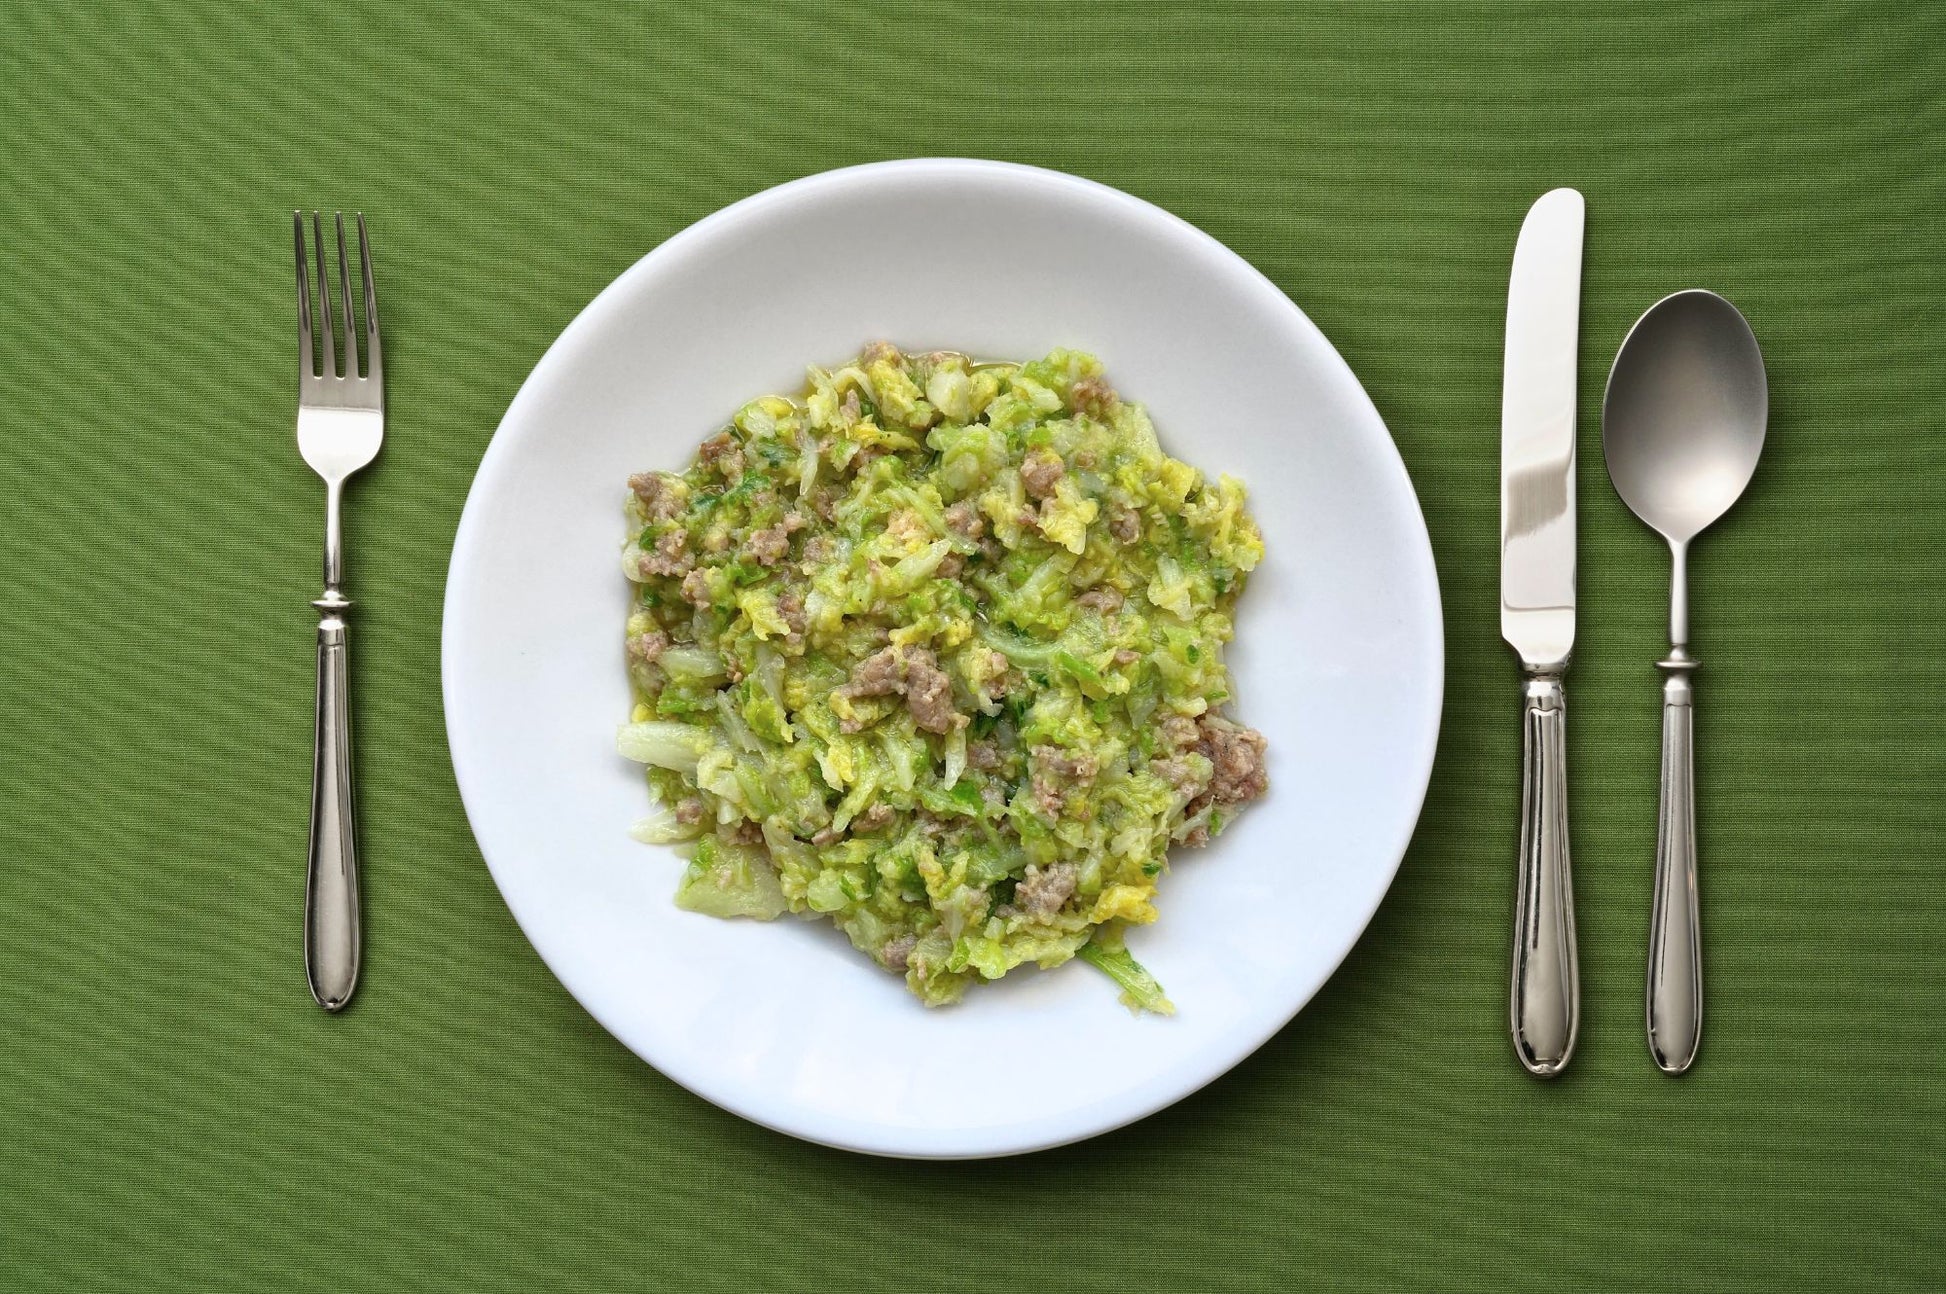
[{"x": 1337, "y": 656}]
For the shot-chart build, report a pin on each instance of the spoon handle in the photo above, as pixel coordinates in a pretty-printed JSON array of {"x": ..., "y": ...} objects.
[
  {"x": 1546, "y": 1006},
  {"x": 1675, "y": 989}
]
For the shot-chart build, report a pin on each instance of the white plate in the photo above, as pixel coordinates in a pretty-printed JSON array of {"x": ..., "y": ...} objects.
[{"x": 1337, "y": 659}]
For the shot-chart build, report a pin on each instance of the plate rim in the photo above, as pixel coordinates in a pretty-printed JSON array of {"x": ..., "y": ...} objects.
[{"x": 589, "y": 316}]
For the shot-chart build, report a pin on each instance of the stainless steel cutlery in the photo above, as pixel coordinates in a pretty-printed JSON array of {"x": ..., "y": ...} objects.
[
  {"x": 1682, "y": 425},
  {"x": 1537, "y": 612},
  {"x": 340, "y": 424}
]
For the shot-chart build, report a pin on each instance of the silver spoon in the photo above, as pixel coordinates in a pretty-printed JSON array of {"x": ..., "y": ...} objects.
[{"x": 1681, "y": 427}]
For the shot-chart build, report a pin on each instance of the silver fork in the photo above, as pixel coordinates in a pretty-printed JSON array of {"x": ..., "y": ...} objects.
[{"x": 340, "y": 423}]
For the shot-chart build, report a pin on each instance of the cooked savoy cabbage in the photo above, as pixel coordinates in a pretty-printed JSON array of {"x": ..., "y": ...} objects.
[{"x": 936, "y": 652}]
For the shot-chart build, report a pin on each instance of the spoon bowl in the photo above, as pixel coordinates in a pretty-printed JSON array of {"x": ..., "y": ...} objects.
[{"x": 1683, "y": 420}]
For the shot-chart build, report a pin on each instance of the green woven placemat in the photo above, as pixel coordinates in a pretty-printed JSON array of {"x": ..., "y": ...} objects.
[{"x": 174, "y": 1114}]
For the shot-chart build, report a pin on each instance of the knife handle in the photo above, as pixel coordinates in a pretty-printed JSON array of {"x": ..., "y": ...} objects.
[
  {"x": 1675, "y": 990},
  {"x": 1546, "y": 1006}
]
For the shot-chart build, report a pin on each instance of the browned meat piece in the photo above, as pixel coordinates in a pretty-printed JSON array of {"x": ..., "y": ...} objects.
[
  {"x": 896, "y": 951},
  {"x": 689, "y": 810},
  {"x": 929, "y": 693},
  {"x": 767, "y": 546},
  {"x": 876, "y": 675},
  {"x": 913, "y": 672},
  {"x": 1179, "y": 731},
  {"x": 1043, "y": 891},
  {"x": 1039, "y": 471},
  {"x": 660, "y": 497},
  {"x": 722, "y": 453},
  {"x": 877, "y": 351},
  {"x": 648, "y": 647},
  {"x": 872, "y": 819},
  {"x": 818, "y": 549},
  {"x": 1093, "y": 395},
  {"x": 695, "y": 588},
  {"x": 1086, "y": 460},
  {"x": 1056, "y": 773},
  {"x": 1125, "y": 524},
  {"x": 964, "y": 519},
  {"x": 670, "y": 557},
  {"x": 951, "y": 566},
  {"x": 982, "y": 755},
  {"x": 1236, "y": 756},
  {"x": 1178, "y": 772},
  {"x": 1080, "y": 768},
  {"x": 747, "y": 833},
  {"x": 850, "y": 408},
  {"x": 1125, "y": 656},
  {"x": 791, "y": 607},
  {"x": 1105, "y": 598}
]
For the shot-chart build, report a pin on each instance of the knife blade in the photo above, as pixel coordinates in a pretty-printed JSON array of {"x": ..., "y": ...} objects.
[
  {"x": 1537, "y": 417},
  {"x": 1537, "y": 433}
]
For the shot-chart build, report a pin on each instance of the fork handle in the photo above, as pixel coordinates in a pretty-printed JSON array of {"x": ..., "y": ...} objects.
[{"x": 331, "y": 878}]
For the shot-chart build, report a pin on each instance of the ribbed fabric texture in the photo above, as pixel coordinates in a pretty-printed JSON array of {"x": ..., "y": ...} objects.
[{"x": 175, "y": 1114}]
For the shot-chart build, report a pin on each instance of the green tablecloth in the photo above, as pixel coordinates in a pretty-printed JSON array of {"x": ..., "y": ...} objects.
[{"x": 175, "y": 1114}]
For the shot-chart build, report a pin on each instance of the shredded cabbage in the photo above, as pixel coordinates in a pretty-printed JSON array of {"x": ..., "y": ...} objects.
[{"x": 936, "y": 653}]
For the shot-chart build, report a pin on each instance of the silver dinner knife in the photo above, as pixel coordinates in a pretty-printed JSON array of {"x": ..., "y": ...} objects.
[{"x": 1537, "y": 611}]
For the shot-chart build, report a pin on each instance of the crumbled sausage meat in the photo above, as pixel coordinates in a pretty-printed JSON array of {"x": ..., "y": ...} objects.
[
  {"x": 1056, "y": 774},
  {"x": 876, "y": 675},
  {"x": 1044, "y": 889},
  {"x": 1105, "y": 598},
  {"x": 695, "y": 587},
  {"x": 1180, "y": 773},
  {"x": 747, "y": 833},
  {"x": 670, "y": 557},
  {"x": 767, "y": 546},
  {"x": 791, "y": 607},
  {"x": 818, "y": 549},
  {"x": 1093, "y": 395},
  {"x": 873, "y": 818},
  {"x": 1039, "y": 471},
  {"x": 661, "y": 495},
  {"x": 907, "y": 526},
  {"x": 929, "y": 693},
  {"x": 913, "y": 672},
  {"x": 951, "y": 566},
  {"x": 878, "y": 350},
  {"x": 1125, "y": 524},
  {"x": 689, "y": 810},
  {"x": 648, "y": 647},
  {"x": 896, "y": 951},
  {"x": 1236, "y": 756},
  {"x": 1179, "y": 731},
  {"x": 722, "y": 452},
  {"x": 964, "y": 519},
  {"x": 982, "y": 755}
]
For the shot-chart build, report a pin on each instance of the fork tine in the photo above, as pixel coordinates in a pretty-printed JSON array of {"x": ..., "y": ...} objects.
[
  {"x": 324, "y": 299},
  {"x": 307, "y": 362},
  {"x": 371, "y": 303},
  {"x": 344, "y": 295}
]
